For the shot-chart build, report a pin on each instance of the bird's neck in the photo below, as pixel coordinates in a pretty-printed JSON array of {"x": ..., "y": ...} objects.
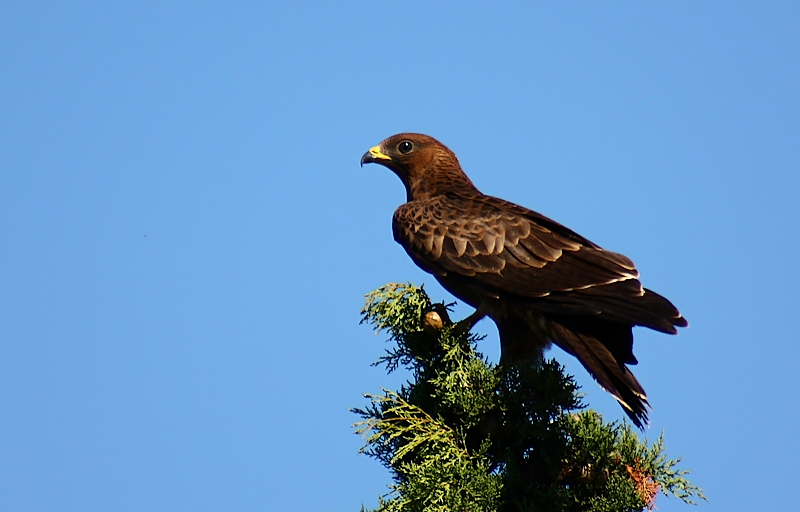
[{"x": 441, "y": 181}]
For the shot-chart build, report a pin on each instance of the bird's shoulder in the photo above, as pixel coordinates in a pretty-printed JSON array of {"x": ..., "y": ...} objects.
[
  {"x": 459, "y": 226},
  {"x": 476, "y": 216},
  {"x": 482, "y": 235}
]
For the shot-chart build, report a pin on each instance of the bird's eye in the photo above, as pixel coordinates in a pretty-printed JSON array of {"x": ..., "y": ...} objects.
[{"x": 405, "y": 147}]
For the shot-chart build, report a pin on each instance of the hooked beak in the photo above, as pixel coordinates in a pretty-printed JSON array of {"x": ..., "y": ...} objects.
[{"x": 374, "y": 155}]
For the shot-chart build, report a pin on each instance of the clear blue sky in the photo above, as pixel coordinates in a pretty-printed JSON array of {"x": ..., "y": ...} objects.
[{"x": 187, "y": 235}]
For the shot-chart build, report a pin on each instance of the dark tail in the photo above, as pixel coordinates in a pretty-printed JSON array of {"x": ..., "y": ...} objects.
[{"x": 604, "y": 349}]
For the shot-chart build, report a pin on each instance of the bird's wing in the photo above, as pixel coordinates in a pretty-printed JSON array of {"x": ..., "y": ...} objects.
[{"x": 520, "y": 255}]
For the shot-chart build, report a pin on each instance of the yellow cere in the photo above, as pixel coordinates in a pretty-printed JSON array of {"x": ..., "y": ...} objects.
[{"x": 377, "y": 153}]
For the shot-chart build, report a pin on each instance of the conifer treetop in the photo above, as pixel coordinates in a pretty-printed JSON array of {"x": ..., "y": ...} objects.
[{"x": 465, "y": 434}]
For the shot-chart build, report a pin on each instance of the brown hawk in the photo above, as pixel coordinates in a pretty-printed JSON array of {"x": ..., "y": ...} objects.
[{"x": 539, "y": 281}]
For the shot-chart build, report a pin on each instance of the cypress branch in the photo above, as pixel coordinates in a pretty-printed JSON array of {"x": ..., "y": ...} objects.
[{"x": 464, "y": 434}]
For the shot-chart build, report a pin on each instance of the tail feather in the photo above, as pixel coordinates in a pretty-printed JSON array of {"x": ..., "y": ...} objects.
[
  {"x": 624, "y": 301},
  {"x": 602, "y": 347},
  {"x": 607, "y": 370}
]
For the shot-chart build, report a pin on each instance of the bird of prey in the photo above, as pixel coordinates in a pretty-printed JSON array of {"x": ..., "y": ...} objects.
[{"x": 539, "y": 281}]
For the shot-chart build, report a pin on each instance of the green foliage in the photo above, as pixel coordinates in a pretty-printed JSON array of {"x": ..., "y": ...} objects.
[{"x": 464, "y": 434}]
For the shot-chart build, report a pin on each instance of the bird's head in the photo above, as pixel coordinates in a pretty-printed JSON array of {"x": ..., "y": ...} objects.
[{"x": 425, "y": 165}]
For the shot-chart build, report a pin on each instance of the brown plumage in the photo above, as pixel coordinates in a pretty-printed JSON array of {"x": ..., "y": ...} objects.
[{"x": 539, "y": 281}]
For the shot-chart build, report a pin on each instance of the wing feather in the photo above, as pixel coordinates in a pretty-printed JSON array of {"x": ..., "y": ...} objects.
[{"x": 511, "y": 252}]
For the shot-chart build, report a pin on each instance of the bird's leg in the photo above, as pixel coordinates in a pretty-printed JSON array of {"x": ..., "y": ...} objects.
[{"x": 468, "y": 323}]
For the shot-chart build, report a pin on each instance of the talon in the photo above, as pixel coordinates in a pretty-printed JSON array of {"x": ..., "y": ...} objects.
[{"x": 441, "y": 310}]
